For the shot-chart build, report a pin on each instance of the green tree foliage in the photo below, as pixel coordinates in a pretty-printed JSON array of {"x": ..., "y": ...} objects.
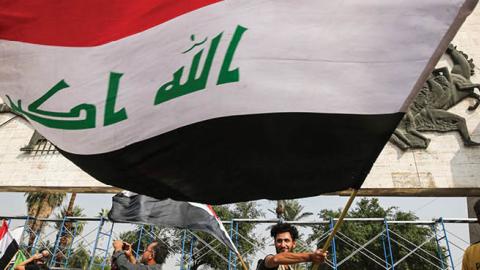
[
  {"x": 248, "y": 242},
  {"x": 79, "y": 258},
  {"x": 362, "y": 232},
  {"x": 294, "y": 211},
  {"x": 76, "y": 212},
  {"x": 103, "y": 213},
  {"x": 69, "y": 230},
  {"x": 40, "y": 205}
]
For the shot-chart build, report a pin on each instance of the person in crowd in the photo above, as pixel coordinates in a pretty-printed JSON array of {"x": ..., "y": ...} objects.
[
  {"x": 471, "y": 257},
  {"x": 152, "y": 258},
  {"x": 285, "y": 236},
  {"x": 38, "y": 261}
]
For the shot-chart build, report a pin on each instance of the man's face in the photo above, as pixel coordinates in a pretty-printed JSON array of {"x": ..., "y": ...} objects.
[
  {"x": 284, "y": 242},
  {"x": 148, "y": 253}
]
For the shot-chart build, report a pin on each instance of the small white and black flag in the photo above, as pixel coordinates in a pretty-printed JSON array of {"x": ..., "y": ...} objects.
[{"x": 8, "y": 246}]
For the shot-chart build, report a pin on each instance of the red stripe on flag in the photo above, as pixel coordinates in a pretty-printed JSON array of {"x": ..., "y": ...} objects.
[
  {"x": 84, "y": 23},
  {"x": 3, "y": 229},
  {"x": 212, "y": 211}
]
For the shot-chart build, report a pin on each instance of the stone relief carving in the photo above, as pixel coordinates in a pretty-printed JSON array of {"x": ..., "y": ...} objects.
[{"x": 444, "y": 89}]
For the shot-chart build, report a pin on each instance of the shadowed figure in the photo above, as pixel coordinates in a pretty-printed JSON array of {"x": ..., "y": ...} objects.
[{"x": 444, "y": 89}]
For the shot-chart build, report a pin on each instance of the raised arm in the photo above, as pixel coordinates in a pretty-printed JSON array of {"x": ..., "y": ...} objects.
[
  {"x": 21, "y": 266},
  {"x": 286, "y": 258}
]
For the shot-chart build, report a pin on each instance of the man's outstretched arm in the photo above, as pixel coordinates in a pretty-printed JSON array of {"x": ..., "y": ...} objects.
[{"x": 286, "y": 258}]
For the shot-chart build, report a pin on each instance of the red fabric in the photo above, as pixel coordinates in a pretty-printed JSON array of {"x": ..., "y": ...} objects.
[
  {"x": 3, "y": 229},
  {"x": 84, "y": 23},
  {"x": 213, "y": 211}
]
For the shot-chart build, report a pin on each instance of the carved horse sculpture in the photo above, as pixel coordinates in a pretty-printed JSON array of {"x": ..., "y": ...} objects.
[{"x": 443, "y": 90}]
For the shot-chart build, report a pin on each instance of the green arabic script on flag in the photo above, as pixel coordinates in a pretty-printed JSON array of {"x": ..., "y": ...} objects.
[{"x": 170, "y": 90}]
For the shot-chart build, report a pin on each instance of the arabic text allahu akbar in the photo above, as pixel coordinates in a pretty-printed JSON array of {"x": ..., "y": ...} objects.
[{"x": 170, "y": 90}]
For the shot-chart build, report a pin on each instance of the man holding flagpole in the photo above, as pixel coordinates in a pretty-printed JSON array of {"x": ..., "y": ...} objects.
[{"x": 285, "y": 236}]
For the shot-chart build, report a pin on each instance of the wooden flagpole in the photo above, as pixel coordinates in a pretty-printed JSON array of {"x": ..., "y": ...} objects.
[
  {"x": 338, "y": 224},
  {"x": 244, "y": 265}
]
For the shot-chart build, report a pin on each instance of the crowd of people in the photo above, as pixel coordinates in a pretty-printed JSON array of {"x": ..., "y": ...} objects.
[{"x": 284, "y": 238}]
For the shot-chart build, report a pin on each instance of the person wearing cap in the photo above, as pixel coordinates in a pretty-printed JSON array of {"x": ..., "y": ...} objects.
[{"x": 471, "y": 257}]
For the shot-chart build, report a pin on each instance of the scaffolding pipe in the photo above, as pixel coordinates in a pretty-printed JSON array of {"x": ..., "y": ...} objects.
[
  {"x": 140, "y": 235},
  {"x": 448, "y": 244},
  {"x": 229, "y": 250},
  {"x": 53, "y": 260},
  {"x": 389, "y": 245},
  {"x": 192, "y": 243},
  {"x": 182, "y": 258},
  {"x": 92, "y": 258},
  {"x": 334, "y": 247},
  {"x": 389, "y": 240}
]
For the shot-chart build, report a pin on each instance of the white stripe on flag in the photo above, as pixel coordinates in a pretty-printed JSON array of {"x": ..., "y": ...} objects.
[{"x": 220, "y": 225}]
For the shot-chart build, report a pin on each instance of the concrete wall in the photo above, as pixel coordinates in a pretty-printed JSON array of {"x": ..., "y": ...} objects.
[
  {"x": 446, "y": 168},
  {"x": 20, "y": 171}
]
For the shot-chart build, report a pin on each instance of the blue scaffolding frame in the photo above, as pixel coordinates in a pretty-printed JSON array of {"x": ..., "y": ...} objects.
[
  {"x": 101, "y": 235},
  {"x": 64, "y": 251},
  {"x": 101, "y": 247}
]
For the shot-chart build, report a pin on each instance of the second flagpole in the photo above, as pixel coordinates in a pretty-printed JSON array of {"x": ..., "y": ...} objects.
[{"x": 338, "y": 224}]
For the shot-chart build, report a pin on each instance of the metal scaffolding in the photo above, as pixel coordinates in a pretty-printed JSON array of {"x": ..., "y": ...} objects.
[{"x": 396, "y": 248}]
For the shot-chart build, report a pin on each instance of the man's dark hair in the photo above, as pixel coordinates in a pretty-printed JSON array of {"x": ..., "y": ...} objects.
[
  {"x": 282, "y": 228},
  {"x": 44, "y": 249},
  {"x": 476, "y": 207},
  {"x": 160, "y": 252},
  {"x": 43, "y": 267}
]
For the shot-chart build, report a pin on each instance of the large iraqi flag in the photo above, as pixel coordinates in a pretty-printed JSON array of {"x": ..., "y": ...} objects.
[{"x": 221, "y": 101}]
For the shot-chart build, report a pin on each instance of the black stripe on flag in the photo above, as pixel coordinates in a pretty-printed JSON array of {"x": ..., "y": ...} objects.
[
  {"x": 9, "y": 252},
  {"x": 185, "y": 215},
  {"x": 241, "y": 158}
]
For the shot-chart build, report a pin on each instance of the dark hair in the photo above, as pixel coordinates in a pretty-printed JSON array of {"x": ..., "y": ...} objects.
[
  {"x": 160, "y": 252},
  {"x": 476, "y": 207},
  {"x": 43, "y": 267},
  {"x": 44, "y": 249},
  {"x": 282, "y": 228}
]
